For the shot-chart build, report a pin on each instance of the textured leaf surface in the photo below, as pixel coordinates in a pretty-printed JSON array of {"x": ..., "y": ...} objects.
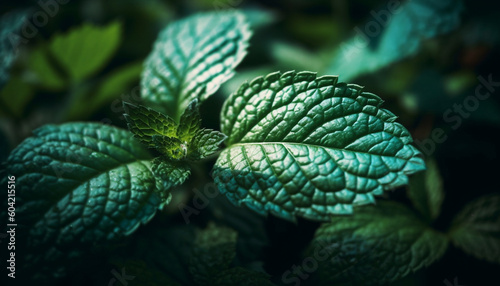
[
  {"x": 171, "y": 173},
  {"x": 81, "y": 184},
  {"x": 312, "y": 147},
  {"x": 192, "y": 58},
  {"x": 205, "y": 143},
  {"x": 145, "y": 122},
  {"x": 476, "y": 229},
  {"x": 190, "y": 122},
  {"x": 426, "y": 191},
  {"x": 401, "y": 36},
  {"x": 377, "y": 245},
  {"x": 86, "y": 49}
]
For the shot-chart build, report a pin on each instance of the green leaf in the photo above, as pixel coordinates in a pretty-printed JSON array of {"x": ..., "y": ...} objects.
[
  {"x": 397, "y": 37},
  {"x": 205, "y": 143},
  {"x": 46, "y": 75},
  {"x": 190, "y": 122},
  {"x": 86, "y": 49},
  {"x": 426, "y": 191},
  {"x": 476, "y": 229},
  {"x": 112, "y": 85},
  {"x": 388, "y": 235},
  {"x": 171, "y": 173},
  {"x": 311, "y": 147},
  {"x": 78, "y": 185},
  {"x": 15, "y": 96},
  {"x": 145, "y": 122},
  {"x": 192, "y": 58},
  {"x": 171, "y": 147}
]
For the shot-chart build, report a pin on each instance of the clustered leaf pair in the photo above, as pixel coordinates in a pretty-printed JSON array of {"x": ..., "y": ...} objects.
[{"x": 178, "y": 143}]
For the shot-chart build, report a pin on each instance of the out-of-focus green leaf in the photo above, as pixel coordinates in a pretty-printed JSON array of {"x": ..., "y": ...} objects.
[
  {"x": 111, "y": 87},
  {"x": 426, "y": 191},
  {"x": 306, "y": 146},
  {"x": 45, "y": 74},
  {"x": 396, "y": 33},
  {"x": 476, "y": 229},
  {"x": 374, "y": 246},
  {"x": 86, "y": 49},
  {"x": 192, "y": 58},
  {"x": 15, "y": 95},
  {"x": 78, "y": 185}
]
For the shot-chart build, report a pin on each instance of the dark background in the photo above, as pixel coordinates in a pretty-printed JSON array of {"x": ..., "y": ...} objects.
[{"x": 305, "y": 35}]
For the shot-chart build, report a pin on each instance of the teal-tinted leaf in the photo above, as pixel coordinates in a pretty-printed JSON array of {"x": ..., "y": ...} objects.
[
  {"x": 145, "y": 122},
  {"x": 190, "y": 122},
  {"x": 86, "y": 49},
  {"x": 388, "y": 236},
  {"x": 171, "y": 173},
  {"x": 78, "y": 185},
  {"x": 401, "y": 36},
  {"x": 192, "y": 58},
  {"x": 426, "y": 191},
  {"x": 205, "y": 143},
  {"x": 476, "y": 229},
  {"x": 171, "y": 147},
  {"x": 311, "y": 147},
  {"x": 10, "y": 39}
]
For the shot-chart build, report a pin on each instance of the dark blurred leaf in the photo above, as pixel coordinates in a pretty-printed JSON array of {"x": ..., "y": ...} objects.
[
  {"x": 211, "y": 258},
  {"x": 139, "y": 273},
  {"x": 376, "y": 245},
  {"x": 392, "y": 36},
  {"x": 166, "y": 248},
  {"x": 476, "y": 229},
  {"x": 426, "y": 191},
  {"x": 213, "y": 251}
]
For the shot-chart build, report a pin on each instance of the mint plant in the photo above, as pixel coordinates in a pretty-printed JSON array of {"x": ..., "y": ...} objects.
[{"x": 292, "y": 145}]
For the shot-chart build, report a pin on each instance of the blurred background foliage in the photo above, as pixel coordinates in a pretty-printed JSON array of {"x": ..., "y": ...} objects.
[{"x": 80, "y": 60}]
